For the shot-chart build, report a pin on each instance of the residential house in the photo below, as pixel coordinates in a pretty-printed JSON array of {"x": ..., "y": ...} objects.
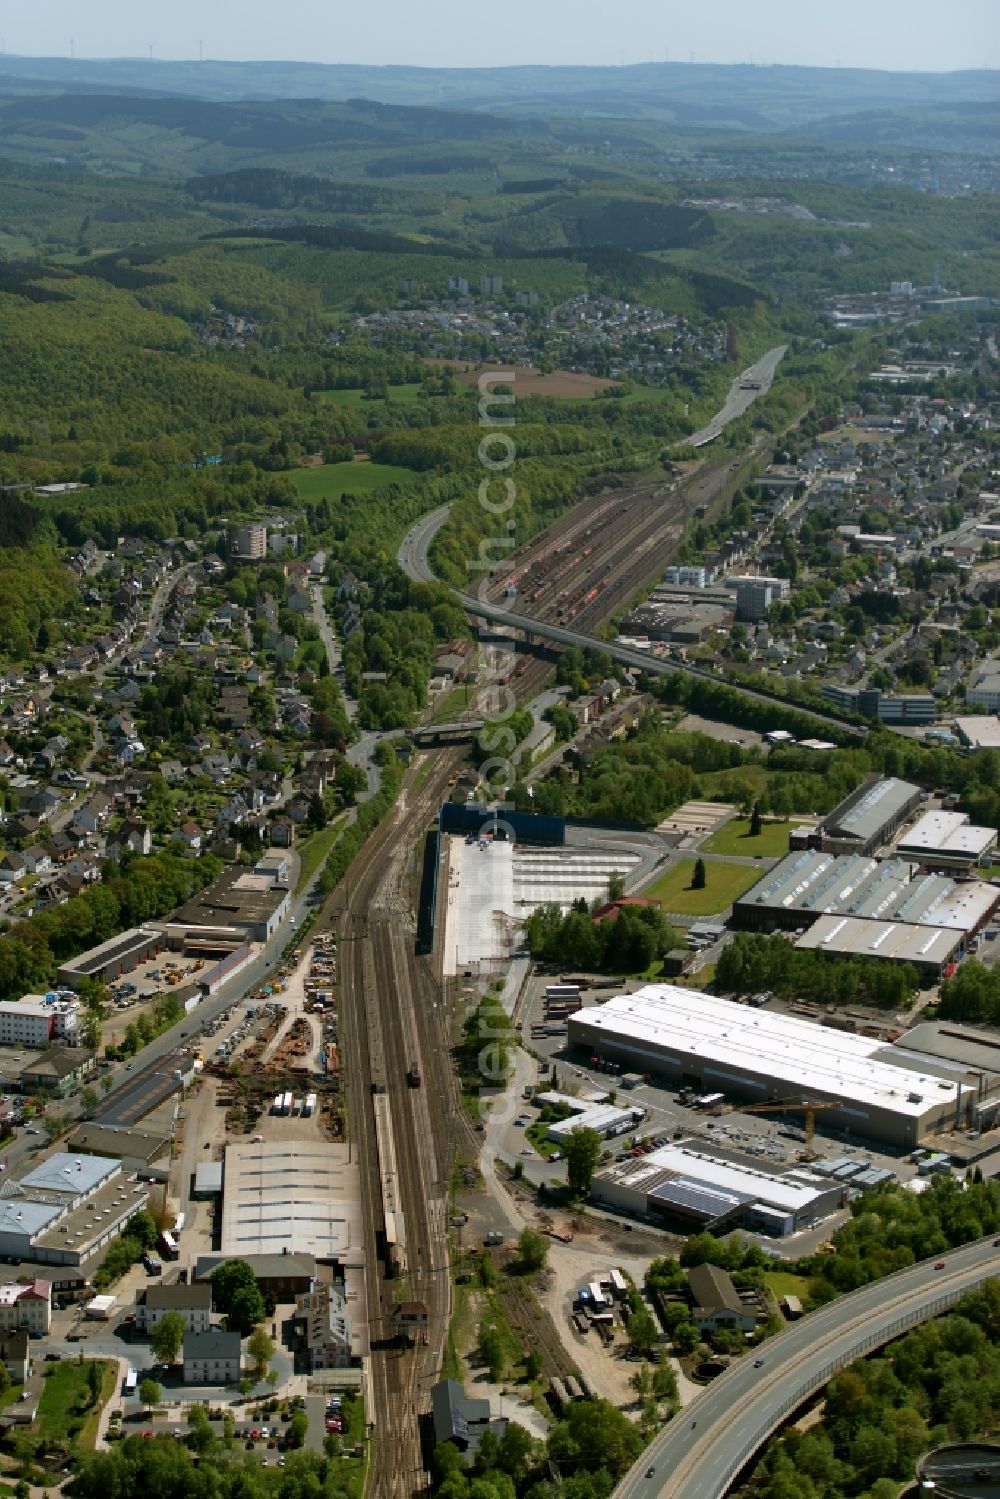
[
  {"x": 49, "y": 756},
  {"x": 191, "y": 836},
  {"x": 250, "y": 741},
  {"x": 14, "y": 1354},
  {"x": 23, "y": 827},
  {"x": 80, "y": 657},
  {"x": 298, "y": 809},
  {"x": 217, "y": 767},
  {"x": 193, "y": 1302},
  {"x": 94, "y": 813},
  {"x": 212, "y": 1358},
  {"x": 282, "y": 832},
  {"x": 36, "y": 859},
  {"x": 137, "y": 837},
  {"x": 234, "y": 707},
  {"x": 121, "y": 725},
  {"x": 12, "y": 868},
  {"x": 313, "y": 780},
  {"x": 715, "y": 1301},
  {"x": 45, "y": 803},
  {"x": 62, "y": 846}
]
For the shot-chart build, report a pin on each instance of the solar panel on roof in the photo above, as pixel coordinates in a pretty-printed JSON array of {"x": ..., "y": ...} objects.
[{"x": 698, "y": 1198}]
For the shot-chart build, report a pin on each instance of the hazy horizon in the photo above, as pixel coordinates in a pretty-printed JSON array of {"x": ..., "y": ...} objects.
[{"x": 894, "y": 36}]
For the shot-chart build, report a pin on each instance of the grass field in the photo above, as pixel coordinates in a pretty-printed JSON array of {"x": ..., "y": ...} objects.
[
  {"x": 725, "y": 883},
  {"x": 566, "y": 385},
  {"x": 450, "y": 704},
  {"x": 336, "y": 479},
  {"x": 315, "y": 849},
  {"x": 713, "y": 783},
  {"x": 784, "y": 1283},
  {"x": 358, "y": 398},
  {"x": 734, "y": 838},
  {"x": 65, "y": 1412}
]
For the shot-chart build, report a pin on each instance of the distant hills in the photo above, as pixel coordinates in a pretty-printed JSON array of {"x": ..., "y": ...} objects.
[{"x": 738, "y": 97}]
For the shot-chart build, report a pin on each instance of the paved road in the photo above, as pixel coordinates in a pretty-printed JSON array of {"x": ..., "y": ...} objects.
[
  {"x": 699, "y": 1458},
  {"x": 745, "y": 389},
  {"x": 332, "y": 645},
  {"x": 412, "y": 558}
]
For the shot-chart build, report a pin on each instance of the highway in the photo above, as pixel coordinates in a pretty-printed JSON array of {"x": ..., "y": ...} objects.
[
  {"x": 413, "y": 559},
  {"x": 745, "y": 389},
  {"x": 701, "y": 1452}
]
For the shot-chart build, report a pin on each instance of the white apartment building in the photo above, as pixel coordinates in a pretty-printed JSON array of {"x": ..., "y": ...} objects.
[
  {"x": 36, "y": 1021},
  {"x": 983, "y": 688},
  {"x": 690, "y": 577},
  {"x": 755, "y": 595},
  {"x": 28, "y": 1306},
  {"x": 250, "y": 541}
]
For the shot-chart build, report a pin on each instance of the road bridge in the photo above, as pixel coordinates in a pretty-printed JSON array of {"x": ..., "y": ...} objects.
[
  {"x": 413, "y": 559},
  {"x": 702, "y": 1451},
  {"x": 459, "y": 732}
]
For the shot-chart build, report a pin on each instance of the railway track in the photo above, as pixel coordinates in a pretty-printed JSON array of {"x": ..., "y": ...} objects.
[
  {"x": 528, "y": 1318},
  {"x": 639, "y": 541},
  {"x": 390, "y": 1023}
]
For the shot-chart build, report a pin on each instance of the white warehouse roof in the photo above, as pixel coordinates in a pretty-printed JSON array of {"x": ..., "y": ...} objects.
[
  {"x": 296, "y": 1198},
  {"x": 74, "y": 1175},
  {"x": 740, "y": 1181},
  {"x": 606, "y": 1119},
  {"x": 947, "y": 833},
  {"x": 802, "y": 1059}
]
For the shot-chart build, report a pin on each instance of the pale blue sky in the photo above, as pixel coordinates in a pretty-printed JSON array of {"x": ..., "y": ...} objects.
[{"x": 935, "y": 35}]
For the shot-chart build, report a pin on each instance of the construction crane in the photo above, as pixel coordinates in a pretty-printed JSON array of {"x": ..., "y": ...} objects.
[{"x": 809, "y": 1106}]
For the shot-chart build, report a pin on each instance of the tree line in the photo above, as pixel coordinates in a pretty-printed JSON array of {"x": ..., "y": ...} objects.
[{"x": 130, "y": 892}]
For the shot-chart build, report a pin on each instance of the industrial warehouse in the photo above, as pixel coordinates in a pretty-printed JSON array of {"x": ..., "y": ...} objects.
[
  {"x": 947, "y": 840},
  {"x": 854, "y": 904},
  {"x": 683, "y": 1185},
  {"x": 869, "y": 817},
  {"x": 66, "y": 1209},
  {"x": 695, "y": 1040},
  {"x": 293, "y": 1198}
]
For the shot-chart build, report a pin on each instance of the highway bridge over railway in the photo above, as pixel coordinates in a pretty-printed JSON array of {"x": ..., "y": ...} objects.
[{"x": 413, "y": 559}]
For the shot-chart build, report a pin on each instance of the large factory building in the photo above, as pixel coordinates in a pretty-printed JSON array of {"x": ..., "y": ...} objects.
[
  {"x": 715, "y": 1045},
  {"x": 689, "y": 1187},
  {"x": 868, "y": 818},
  {"x": 857, "y": 905}
]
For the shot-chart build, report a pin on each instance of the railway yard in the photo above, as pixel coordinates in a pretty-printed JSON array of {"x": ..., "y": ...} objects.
[{"x": 586, "y": 566}]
